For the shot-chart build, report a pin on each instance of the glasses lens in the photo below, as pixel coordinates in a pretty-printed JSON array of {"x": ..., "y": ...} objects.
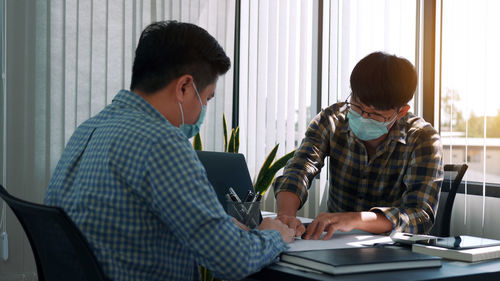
[
  {"x": 378, "y": 117},
  {"x": 372, "y": 115}
]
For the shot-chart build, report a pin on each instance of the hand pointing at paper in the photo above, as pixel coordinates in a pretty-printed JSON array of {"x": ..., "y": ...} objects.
[{"x": 346, "y": 221}]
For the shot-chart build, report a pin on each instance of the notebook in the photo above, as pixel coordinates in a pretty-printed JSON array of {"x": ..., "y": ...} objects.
[
  {"x": 226, "y": 170},
  {"x": 357, "y": 260}
]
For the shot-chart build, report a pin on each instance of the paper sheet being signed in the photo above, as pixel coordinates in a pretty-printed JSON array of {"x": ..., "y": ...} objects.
[{"x": 339, "y": 240}]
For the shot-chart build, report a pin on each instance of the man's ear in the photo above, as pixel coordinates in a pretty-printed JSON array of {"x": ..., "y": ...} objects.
[
  {"x": 403, "y": 111},
  {"x": 182, "y": 83}
]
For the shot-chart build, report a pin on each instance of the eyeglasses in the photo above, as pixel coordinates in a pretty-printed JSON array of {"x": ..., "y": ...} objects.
[{"x": 372, "y": 115}]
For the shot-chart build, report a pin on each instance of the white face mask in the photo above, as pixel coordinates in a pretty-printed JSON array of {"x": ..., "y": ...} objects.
[{"x": 190, "y": 130}]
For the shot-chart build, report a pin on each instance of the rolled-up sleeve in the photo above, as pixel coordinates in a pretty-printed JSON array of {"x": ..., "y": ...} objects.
[{"x": 308, "y": 159}]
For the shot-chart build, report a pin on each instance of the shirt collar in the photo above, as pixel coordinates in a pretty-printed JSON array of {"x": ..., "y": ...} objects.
[
  {"x": 134, "y": 100},
  {"x": 398, "y": 132}
]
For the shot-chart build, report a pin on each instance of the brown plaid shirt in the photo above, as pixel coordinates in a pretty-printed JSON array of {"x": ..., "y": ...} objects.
[{"x": 402, "y": 180}]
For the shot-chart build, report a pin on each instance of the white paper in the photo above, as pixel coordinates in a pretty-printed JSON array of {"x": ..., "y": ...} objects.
[
  {"x": 339, "y": 240},
  {"x": 266, "y": 214}
]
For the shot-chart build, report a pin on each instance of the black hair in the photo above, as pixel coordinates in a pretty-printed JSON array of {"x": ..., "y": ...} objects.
[
  {"x": 170, "y": 49},
  {"x": 383, "y": 81}
]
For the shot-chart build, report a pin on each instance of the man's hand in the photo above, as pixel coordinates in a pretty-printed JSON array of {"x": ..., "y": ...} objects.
[
  {"x": 331, "y": 222},
  {"x": 287, "y": 233},
  {"x": 293, "y": 223},
  {"x": 240, "y": 225}
]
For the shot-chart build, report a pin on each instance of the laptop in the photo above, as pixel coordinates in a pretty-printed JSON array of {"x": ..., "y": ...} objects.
[{"x": 225, "y": 170}]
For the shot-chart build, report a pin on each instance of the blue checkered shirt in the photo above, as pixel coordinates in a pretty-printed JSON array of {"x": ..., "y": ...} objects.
[{"x": 133, "y": 184}]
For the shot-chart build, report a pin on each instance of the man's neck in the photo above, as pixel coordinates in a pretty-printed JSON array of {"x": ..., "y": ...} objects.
[
  {"x": 164, "y": 102},
  {"x": 371, "y": 145}
]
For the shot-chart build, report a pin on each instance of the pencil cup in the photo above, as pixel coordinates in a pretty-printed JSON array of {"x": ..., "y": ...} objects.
[{"x": 248, "y": 213}]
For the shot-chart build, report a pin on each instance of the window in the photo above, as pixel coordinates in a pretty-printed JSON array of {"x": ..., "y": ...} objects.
[
  {"x": 470, "y": 108},
  {"x": 470, "y": 97}
]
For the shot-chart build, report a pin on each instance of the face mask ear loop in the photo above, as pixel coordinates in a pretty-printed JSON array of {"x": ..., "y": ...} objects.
[
  {"x": 197, "y": 94},
  {"x": 182, "y": 114},
  {"x": 395, "y": 117}
]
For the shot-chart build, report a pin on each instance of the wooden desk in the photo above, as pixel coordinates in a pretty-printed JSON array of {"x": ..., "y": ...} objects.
[{"x": 450, "y": 270}]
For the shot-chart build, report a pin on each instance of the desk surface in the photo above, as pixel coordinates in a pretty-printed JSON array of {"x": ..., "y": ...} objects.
[{"x": 450, "y": 270}]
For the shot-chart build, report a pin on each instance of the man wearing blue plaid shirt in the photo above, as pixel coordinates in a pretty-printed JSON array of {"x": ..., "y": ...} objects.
[{"x": 131, "y": 181}]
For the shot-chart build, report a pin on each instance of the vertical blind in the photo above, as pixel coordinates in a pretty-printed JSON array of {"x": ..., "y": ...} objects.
[
  {"x": 64, "y": 61},
  {"x": 82, "y": 55},
  {"x": 283, "y": 43},
  {"x": 83, "y": 52},
  {"x": 275, "y": 78}
]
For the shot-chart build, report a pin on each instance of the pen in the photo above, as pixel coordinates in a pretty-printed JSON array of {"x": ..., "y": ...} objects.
[
  {"x": 240, "y": 208},
  {"x": 233, "y": 195},
  {"x": 256, "y": 198},
  {"x": 250, "y": 196}
]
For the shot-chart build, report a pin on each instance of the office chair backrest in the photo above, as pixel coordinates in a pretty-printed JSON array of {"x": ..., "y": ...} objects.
[
  {"x": 61, "y": 251},
  {"x": 453, "y": 174}
]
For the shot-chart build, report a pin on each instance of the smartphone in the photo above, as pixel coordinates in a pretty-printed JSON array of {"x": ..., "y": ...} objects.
[
  {"x": 409, "y": 238},
  {"x": 460, "y": 242}
]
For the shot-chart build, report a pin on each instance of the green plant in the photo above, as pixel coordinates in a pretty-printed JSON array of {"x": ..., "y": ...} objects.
[
  {"x": 269, "y": 169},
  {"x": 197, "y": 142},
  {"x": 234, "y": 140}
]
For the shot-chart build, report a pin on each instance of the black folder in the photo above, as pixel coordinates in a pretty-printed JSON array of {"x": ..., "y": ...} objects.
[{"x": 357, "y": 260}]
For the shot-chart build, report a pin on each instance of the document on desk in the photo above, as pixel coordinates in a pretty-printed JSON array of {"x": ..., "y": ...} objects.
[{"x": 340, "y": 240}]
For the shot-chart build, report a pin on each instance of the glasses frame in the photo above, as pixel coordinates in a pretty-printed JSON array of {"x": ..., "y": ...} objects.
[{"x": 378, "y": 117}]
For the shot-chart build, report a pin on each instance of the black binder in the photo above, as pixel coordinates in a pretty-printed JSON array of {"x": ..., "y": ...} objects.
[{"x": 356, "y": 260}]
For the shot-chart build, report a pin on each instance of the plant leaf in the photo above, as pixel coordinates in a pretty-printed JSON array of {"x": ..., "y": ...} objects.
[
  {"x": 264, "y": 184},
  {"x": 270, "y": 174},
  {"x": 224, "y": 127},
  {"x": 230, "y": 146},
  {"x": 237, "y": 140},
  {"x": 263, "y": 170},
  {"x": 197, "y": 145},
  {"x": 280, "y": 163}
]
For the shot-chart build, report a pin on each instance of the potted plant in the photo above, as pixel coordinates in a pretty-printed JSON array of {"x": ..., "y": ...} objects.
[{"x": 269, "y": 168}]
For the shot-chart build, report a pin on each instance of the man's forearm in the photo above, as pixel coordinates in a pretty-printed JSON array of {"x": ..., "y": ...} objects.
[
  {"x": 373, "y": 222},
  {"x": 288, "y": 203}
]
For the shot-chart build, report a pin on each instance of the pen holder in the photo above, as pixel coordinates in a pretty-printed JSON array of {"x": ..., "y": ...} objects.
[{"x": 248, "y": 213}]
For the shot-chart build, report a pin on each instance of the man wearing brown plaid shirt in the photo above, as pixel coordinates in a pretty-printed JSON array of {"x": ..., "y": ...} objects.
[{"x": 386, "y": 164}]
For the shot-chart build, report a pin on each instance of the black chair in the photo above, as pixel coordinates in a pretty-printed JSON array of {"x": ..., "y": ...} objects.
[
  {"x": 61, "y": 251},
  {"x": 453, "y": 174}
]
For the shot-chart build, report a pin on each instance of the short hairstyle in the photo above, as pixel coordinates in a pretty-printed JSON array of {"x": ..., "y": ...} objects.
[
  {"x": 170, "y": 49},
  {"x": 383, "y": 81}
]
